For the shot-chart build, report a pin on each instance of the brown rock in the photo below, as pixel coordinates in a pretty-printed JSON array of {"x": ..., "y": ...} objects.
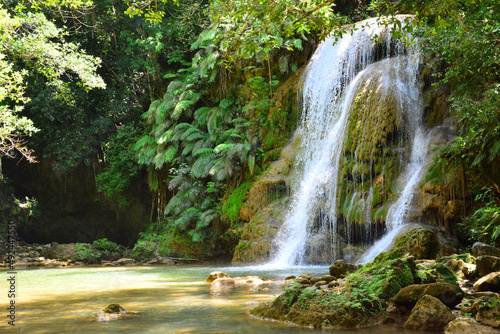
[
  {"x": 490, "y": 282},
  {"x": 215, "y": 275},
  {"x": 224, "y": 282},
  {"x": 448, "y": 294},
  {"x": 487, "y": 264},
  {"x": 467, "y": 325},
  {"x": 429, "y": 314},
  {"x": 341, "y": 269},
  {"x": 480, "y": 249}
]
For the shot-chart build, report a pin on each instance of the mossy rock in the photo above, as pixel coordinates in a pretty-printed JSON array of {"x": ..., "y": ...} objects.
[
  {"x": 113, "y": 309},
  {"x": 421, "y": 242},
  {"x": 388, "y": 273},
  {"x": 430, "y": 271},
  {"x": 451, "y": 295}
]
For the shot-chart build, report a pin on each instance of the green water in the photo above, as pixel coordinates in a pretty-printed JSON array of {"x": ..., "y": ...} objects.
[{"x": 169, "y": 300}]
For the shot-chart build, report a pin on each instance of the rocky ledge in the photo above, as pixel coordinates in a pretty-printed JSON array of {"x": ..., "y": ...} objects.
[{"x": 451, "y": 294}]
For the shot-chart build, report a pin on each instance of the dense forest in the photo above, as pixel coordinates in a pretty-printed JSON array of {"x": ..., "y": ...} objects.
[{"x": 147, "y": 122}]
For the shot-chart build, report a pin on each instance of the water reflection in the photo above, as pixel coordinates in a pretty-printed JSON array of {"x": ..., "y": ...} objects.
[{"x": 168, "y": 299}]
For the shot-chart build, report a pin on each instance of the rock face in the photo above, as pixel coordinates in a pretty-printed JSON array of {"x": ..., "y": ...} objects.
[
  {"x": 448, "y": 294},
  {"x": 487, "y": 264},
  {"x": 429, "y": 314},
  {"x": 490, "y": 282},
  {"x": 467, "y": 325}
]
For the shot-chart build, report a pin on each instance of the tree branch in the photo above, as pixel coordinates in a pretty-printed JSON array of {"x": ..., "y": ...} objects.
[{"x": 329, "y": 2}]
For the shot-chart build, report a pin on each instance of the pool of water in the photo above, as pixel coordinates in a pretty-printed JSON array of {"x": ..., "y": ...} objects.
[{"x": 168, "y": 300}]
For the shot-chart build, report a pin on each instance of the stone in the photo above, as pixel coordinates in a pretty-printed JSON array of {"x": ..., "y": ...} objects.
[
  {"x": 215, "y": 275},
  {"x": 341, "y": 269},
  {"x": 489, "y": 314},
  {"x": 448, "y": 294},
  {"x": 421, "y": 242},
  {"x": 221, "y": 283},
  {"x": 487, "y": 264},
  {"x": 290, "y": 277},
  {"x": 320, "y": 283},
  {"x": 124, "y": 261},
  {"x": 467, "y": 325},
  {"x": 327, "y": 278},
  {"x": 166, "y": 260},
  {"x": 480, "y": 249},
  {"x": 113, "y": 309},
  {"x": 303, "y": 281},
  {"x": 429, "y": 313},
  {"x": 490, "y": 282},
  {"x": 314, "y": 280}
]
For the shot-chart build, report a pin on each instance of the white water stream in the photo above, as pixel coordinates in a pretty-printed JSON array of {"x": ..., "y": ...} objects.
[{"x": 331, "y": 83}]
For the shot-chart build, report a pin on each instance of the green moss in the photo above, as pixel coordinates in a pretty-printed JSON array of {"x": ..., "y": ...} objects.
[
  {"x": 388, "y": 273},
  {"x": 231, "y": 208}
]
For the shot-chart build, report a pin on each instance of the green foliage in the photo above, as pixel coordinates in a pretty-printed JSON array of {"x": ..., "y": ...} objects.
[
  {"x": 87, "y": 253},
  {"x": 231, "y": 208},
  {"x": 483, "y": 225},
  {"x": 104, "y": 245},
  {"x": 121, "y": 166}
]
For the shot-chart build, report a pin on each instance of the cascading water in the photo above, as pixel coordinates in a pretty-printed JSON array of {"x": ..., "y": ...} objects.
[{"x": 334, "y": 79}]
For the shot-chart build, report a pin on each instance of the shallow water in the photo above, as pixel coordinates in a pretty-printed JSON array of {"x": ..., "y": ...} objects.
[{"x": 170, "y": 300}]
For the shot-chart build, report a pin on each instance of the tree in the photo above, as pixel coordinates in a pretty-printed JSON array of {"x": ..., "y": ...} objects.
[{"x": 30, "y": 41}]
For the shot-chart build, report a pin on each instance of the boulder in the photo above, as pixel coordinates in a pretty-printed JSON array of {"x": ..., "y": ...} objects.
[
  {"x": 489, "y": 314},
  {"x": 113, "y": 309},
  {"x": 487, "y": 264},
  {"x": 124, "y": 261},
  {"x": 448, "y": 294},
  {"x": 341, "y": 269},
  {"x": 429, "y": 314},
  {"x": 421, "y": 242},
  {"x": 215, "y": 275},
  {"x": 388, "y": 273},
  {"x": 490, "y": 282},
  {"x": 467, "y": 325},
  {"x": 221, "y": 283},
  {"x": 480, "y": 249},
  {"x": 327, "y": 278},
  {"x": 166, "y": 260}
]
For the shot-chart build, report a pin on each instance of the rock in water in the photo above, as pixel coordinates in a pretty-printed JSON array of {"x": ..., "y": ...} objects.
[
  {"x": 429, "y": 314},
  {"x": 421, "y": 242},
  {"x": 467, "y": 325},
  {"x": 113, "y": 309},
  {"x": 215, "y": 275}
]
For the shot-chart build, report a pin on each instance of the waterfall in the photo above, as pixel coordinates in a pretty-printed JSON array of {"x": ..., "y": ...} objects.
[{"x": 333, "y": 79}]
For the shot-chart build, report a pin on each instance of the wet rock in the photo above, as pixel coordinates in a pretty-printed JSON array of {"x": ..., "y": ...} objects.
[
  {"x": 306, "y": 276},
  {"x": 333, "y": 284},
  {"x": 251, "y": 280},
  {"x": 430, "y": 271},
  {"x": 487, "y": 264},
  {"x": 221, "y": 283},
  {"x": 421, "y": 242},
  {"x": 467, "y": 325},
  {"x": 290, "y": 277},
  {"x": 448, "y": 294},
  {"x": 341, "y": 269},
  {"x": 113, "y": 309},
  {"x": 215, "y": 275},
  {"x": 490, "y": 282},
  {"x": 480, "y": 249},
  {"x": 429, "y": 313}
]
